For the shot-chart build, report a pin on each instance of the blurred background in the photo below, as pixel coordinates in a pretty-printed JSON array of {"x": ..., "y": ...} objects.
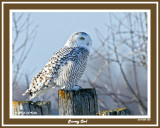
[{"x": 117, "y": 67}]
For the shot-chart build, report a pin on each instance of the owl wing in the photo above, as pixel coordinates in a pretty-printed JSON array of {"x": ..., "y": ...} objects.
[{"x": 44, "y": 80}]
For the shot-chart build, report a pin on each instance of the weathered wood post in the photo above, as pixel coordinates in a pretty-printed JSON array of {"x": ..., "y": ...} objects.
[
  {"x": 81, "y": 102},
  {"x": 120, "y": 111},
  {"x": 31, "y": 108}
]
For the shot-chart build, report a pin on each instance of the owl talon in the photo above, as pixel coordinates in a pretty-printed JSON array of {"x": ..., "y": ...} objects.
[{"x": 76, "y": 88}]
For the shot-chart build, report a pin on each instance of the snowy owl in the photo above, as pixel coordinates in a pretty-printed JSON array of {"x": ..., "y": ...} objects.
[{"x": 65, "y": 68}]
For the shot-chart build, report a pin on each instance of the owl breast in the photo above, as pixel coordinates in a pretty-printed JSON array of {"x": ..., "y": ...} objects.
[{"x": 70, "y": 73}]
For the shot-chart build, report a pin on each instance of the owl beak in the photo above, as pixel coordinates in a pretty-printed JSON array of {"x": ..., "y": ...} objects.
[{"x": 82, "y": 38}]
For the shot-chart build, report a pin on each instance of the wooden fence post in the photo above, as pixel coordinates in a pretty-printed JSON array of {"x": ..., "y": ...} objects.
[
  {"x": 81, "y": 102},
  {"x": 120, "y": 111},
  {"x": 31, "y": 108}
]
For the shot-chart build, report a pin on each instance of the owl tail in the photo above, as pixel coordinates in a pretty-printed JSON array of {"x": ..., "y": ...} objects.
[
  {"x": 26, "y": 92},
  {"x": 31, "y": 96}
]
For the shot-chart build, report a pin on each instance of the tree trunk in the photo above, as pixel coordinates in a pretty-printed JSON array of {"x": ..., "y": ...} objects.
[
  {"x": 81, "y": 102},
  {"x": 31, "y": 108}
]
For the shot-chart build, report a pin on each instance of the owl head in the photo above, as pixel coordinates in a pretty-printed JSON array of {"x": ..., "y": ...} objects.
[{"x": 79, "y": 39}]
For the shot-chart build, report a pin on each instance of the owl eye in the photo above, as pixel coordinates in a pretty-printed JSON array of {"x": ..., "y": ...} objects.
[{"x": 82, "y": 38}]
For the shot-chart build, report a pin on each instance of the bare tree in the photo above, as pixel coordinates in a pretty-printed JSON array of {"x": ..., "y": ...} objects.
[
  {"x": 24, "y": 33},
  {"x": 121, "y": 77}
]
